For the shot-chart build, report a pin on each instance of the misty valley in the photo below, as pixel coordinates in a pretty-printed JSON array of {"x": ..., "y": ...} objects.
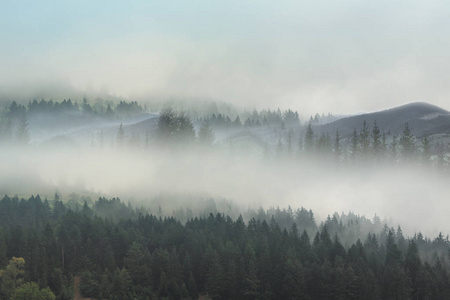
[{"x": 176, "y": 199}]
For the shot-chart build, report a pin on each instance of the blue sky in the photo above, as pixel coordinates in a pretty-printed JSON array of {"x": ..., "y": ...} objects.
[{"x": 314, "y": 56}]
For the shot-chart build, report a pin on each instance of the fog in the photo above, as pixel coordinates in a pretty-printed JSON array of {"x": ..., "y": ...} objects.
[
  {"x": 408, "y": 196},
  {"x": 339, "y": 57}
]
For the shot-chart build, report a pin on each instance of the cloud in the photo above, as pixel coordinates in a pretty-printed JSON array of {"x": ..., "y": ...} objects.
[{"x": 326, "y": 56}]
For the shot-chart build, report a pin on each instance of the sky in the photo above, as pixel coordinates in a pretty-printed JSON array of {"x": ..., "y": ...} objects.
[{"x": 342, "y": 57}]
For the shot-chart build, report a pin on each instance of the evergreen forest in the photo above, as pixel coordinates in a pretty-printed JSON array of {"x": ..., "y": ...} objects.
[{"x": 114, "y": 251}]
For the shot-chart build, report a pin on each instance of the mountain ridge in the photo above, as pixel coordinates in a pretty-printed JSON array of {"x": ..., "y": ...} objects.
[{"x": 422, "y": 118}]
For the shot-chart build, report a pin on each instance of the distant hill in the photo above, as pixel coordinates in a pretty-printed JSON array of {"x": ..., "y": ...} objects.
[{"x": 423, "y": 118}]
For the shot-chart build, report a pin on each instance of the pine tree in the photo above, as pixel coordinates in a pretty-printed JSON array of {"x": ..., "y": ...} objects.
[
  {"x": 383, "y": 144},
  {"x": 206, "y": 134},
  {"x": 86, "y": 108},
  {"x": 309, "y": 139},
  {"x": 426, "y": 148},
  {"x": 289, "y": 142},
  {"x": 364, "y": 140},
  {"x": 337, "y": 147},
  {"x": 300, "y": 145},
  {"x": 393, "y": 152},
  {"x": 354, "y": 145},
  {"x": 184, "y": 130},
  {"x": 237, "y": 121},
  {"x": 407, "y": 142},
  {"x": 377, "y": 144},
  {"x": 22, "y": 134}
]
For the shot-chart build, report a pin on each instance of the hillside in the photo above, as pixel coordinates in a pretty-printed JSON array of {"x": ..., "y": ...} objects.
[{"x": 423, "y": 118}]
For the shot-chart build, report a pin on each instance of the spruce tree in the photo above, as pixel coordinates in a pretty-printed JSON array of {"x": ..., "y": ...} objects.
[
  {"x": 337, "y": 147},
  {"x": 309, "y": 139},
  {"x": 407, "y": 142},
  {"x": 22, "y": 134},
  {"x": 426, "y": 148},
  {"x": 376, "y": 140},
  {"x": 354, "y": 145},
  {"x": 206, "y": 134},
  {"x": 364, "y": 140}
]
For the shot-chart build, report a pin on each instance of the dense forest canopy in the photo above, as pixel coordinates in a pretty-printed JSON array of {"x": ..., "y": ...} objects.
[{"x": 125, "y": 253}]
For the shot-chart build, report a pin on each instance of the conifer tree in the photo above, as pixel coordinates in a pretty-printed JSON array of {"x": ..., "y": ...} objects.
[
  {"x": 393, "y": 151},
  {"x": 289, "y": 142},
  {"x": 426, "y": 148},
  {"x": 407, "y": 142},
  {"x": 22, "y": 134},
  {"x": 377, "y": 143},
  {"x": 206, "y": 134},
  {"x": 309, "y": 139},
  {"x": 300, "y": 145},
  {"x": 364, "y": 140},
  {"x": 354, "y": 145},
  {"x": 337, "y": 147}
]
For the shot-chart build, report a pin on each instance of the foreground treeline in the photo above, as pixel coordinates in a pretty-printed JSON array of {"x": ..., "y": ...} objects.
[{"x": 121, "y": 253}]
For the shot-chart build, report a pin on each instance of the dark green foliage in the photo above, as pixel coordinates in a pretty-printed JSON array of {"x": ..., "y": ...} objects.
[
  {"x": 31, "y": 291},
  {"x": 89, "y": 287},
  {"x": 174, "y": 129},
  {"x": 124, "y": 255}
]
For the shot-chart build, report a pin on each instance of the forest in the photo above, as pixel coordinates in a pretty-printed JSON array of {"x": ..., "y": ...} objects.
[
  {"x": 216, "y": 234},
  {"x": 121, "y": 252},
  {"x": 224, "y": 150},
  {"x": 288, "y": 137}
]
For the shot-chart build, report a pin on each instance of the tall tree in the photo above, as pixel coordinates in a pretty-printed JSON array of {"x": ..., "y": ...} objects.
[
  {"x": 354, "y": 145},
  {"x": 309, "y": 139},
  {"x": 376, "y": 140},
  {"x": 364, "y": 139},
  {"x": 289, "y": 142},
  {"x": 426, "y": 149},
  {"x": 206, "y": 134},
  {"x": 407, "y": 142},
  {"x": 300, "y": 145},
  {"x": 86, "y": 108},
  {"x": 393, "y": 148},
  {"x": 22, "y": 134},
  {"x": 337, "y": 147},
  {"x": 185, "y": 132}
]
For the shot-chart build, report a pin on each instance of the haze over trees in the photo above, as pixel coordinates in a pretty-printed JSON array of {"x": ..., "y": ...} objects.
[
  {"x": 278, "y": 131},
  {"x": 256, "y": 240}
]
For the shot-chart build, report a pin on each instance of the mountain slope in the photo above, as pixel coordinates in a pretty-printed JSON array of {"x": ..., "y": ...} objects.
[{"x": 421, "y": 117}]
